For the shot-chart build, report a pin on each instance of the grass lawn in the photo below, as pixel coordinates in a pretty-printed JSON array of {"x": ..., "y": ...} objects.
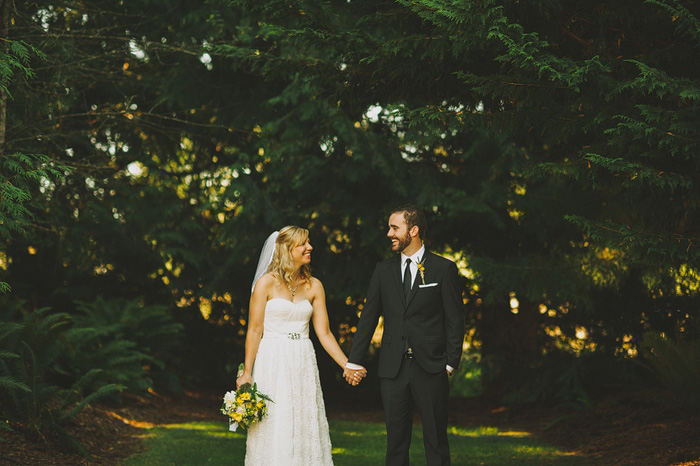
[{"x": 354, "y": 443}]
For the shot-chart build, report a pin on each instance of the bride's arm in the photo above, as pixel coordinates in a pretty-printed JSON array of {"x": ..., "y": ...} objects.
[
  {"x": 256, "y": 318},
  {"x": 322, "y": 327}
]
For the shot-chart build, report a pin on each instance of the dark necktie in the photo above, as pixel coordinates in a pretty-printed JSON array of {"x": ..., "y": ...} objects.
[{"x": 407, "y": 278}]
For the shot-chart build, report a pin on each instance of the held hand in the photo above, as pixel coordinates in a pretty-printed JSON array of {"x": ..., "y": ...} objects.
[
  {"x": 244, "y": 379},
  {"x": 362, "y": 374},
  {"x": 350, "y": 376},
  {"x": 354, "y": 377}
]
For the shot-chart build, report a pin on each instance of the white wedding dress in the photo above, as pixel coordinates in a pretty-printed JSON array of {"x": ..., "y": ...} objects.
[{"x": 295, "y": 431}]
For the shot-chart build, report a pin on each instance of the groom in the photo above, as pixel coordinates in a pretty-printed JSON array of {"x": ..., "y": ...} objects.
[{"x": 420, "y": 297}]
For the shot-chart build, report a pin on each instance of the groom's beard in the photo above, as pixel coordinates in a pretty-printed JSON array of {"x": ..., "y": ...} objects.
[{"x": 402, "y": 243}]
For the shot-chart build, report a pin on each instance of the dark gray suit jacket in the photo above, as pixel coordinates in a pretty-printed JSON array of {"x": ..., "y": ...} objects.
[{"x": 432, "y": 318}]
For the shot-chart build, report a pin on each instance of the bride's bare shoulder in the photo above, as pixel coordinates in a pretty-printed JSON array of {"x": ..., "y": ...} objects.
[
  {"x": 316, "y": 284},
  {"x": 265, "y": 283}
]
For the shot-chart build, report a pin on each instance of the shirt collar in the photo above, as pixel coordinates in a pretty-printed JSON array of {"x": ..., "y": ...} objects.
[{"x": 415, "y": 257}]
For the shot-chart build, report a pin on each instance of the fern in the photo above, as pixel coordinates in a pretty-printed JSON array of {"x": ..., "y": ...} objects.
[
  {"x": 7, "y": 382},
  {"x": 10, "y": 383},
  {"x": 676, "y": 366},
  {"x": 44, "y": 395},
  {"x": 102, "y": 392}
]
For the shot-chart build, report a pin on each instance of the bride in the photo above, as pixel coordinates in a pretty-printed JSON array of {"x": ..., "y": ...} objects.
[{"x": 280, "y": 358}]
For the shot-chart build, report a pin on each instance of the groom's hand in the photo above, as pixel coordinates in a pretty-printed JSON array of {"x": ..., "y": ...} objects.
[{"x": 354, "y": 377}]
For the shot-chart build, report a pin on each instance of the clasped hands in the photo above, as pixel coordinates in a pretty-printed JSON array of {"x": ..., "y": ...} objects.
[{"x": 354, "y": 377}]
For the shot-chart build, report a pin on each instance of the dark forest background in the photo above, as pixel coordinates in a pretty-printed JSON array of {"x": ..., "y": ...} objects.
[{"x": 147, "y": 149}]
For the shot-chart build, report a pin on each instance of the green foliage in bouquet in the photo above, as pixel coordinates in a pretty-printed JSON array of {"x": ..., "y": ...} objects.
[{"x": 245, "y": 406}]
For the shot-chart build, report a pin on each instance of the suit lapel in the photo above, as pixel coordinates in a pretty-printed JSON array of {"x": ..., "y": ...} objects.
[
  {"x": 417, "y": 280},
  {"x": 398, "y": 281}
]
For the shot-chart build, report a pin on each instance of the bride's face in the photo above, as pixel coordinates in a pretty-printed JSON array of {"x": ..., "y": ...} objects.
[{"x": 302, "y": 254}]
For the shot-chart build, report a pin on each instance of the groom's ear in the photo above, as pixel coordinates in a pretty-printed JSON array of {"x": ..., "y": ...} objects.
[{"x": 414, "y": 231}]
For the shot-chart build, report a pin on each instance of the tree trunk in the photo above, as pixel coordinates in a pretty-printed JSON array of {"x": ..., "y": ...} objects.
[{"x": 4, "y": 35}]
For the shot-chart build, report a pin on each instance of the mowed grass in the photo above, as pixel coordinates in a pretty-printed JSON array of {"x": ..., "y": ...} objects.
[{"x": 354, "y": 443}]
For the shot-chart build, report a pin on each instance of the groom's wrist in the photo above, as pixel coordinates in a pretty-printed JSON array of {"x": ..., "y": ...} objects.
[{"x": 354, "y": 367}]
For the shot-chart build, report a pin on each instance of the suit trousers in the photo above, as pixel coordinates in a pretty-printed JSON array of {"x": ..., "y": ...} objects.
[{"x": 429, "y": 393}]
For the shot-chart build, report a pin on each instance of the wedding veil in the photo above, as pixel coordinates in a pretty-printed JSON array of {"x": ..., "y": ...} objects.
[{"x": 265, "y": 260}]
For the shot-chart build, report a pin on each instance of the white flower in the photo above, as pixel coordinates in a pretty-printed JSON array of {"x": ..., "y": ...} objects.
[
  {"x": 240, "y": 409},
  {"x": 233, "y": 426},
  {"x": 230, "y": 398}
]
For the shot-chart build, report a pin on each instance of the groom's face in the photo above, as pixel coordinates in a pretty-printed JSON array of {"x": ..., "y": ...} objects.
[{"x": 398, "y": 232}]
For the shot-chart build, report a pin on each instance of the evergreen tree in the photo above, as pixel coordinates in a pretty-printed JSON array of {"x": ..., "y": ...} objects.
[
  {"x": 552, "y": 145},
  {"x": 553, "y": 142}
]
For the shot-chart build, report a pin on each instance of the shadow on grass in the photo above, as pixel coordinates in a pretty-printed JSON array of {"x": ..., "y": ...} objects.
[{"x": 354, "y": 443}]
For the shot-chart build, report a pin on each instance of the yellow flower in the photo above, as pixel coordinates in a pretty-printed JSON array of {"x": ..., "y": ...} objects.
[
  {"x": 244, "y": 408},
  {"x": 421, "y": 269}
]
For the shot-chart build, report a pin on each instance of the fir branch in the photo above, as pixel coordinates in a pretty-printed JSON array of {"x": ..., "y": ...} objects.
[
  {"x": 637, "y": 171},
  {"x": 653, "y": 80},
  {"x": 687, "y": 23},
  {"x": 626, "y": 236}
]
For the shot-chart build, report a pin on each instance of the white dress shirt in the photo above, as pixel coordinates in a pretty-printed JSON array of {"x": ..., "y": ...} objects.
[{"x": 415, "y": 258}]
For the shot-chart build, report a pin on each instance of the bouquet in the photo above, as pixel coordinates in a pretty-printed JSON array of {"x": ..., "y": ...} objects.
[{"x": 244, "y": 406}]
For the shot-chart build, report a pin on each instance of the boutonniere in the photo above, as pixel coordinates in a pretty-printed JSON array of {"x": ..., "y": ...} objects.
[{"x": 421, "y": 269}]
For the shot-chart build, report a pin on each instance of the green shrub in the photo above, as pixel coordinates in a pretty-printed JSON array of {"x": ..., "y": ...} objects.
[
  {"x": 570, "y": 380},
  {"x": 34, "y": 397},
  {"x": 52, "y": 364},
  {"x": 466, "y": 380},
  {"x": 127, "y": 340},
  {"x": 676, "y": 366},
  {"x": 151, "y": 328},
  {"x": 7, "y": 382}
]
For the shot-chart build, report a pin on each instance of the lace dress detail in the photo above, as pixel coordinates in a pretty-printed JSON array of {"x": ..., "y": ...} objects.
[{"x": 295, "y": 431}]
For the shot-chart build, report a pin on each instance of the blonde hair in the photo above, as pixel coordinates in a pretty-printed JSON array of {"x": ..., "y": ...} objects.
[{"x": 282, "y": 265}]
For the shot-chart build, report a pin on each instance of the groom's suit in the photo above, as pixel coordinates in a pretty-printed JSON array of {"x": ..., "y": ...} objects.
[{"x": 431, "y": 323}]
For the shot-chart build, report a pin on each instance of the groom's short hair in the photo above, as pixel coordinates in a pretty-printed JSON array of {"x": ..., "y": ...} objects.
[{"x": 414, "y": 217}]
